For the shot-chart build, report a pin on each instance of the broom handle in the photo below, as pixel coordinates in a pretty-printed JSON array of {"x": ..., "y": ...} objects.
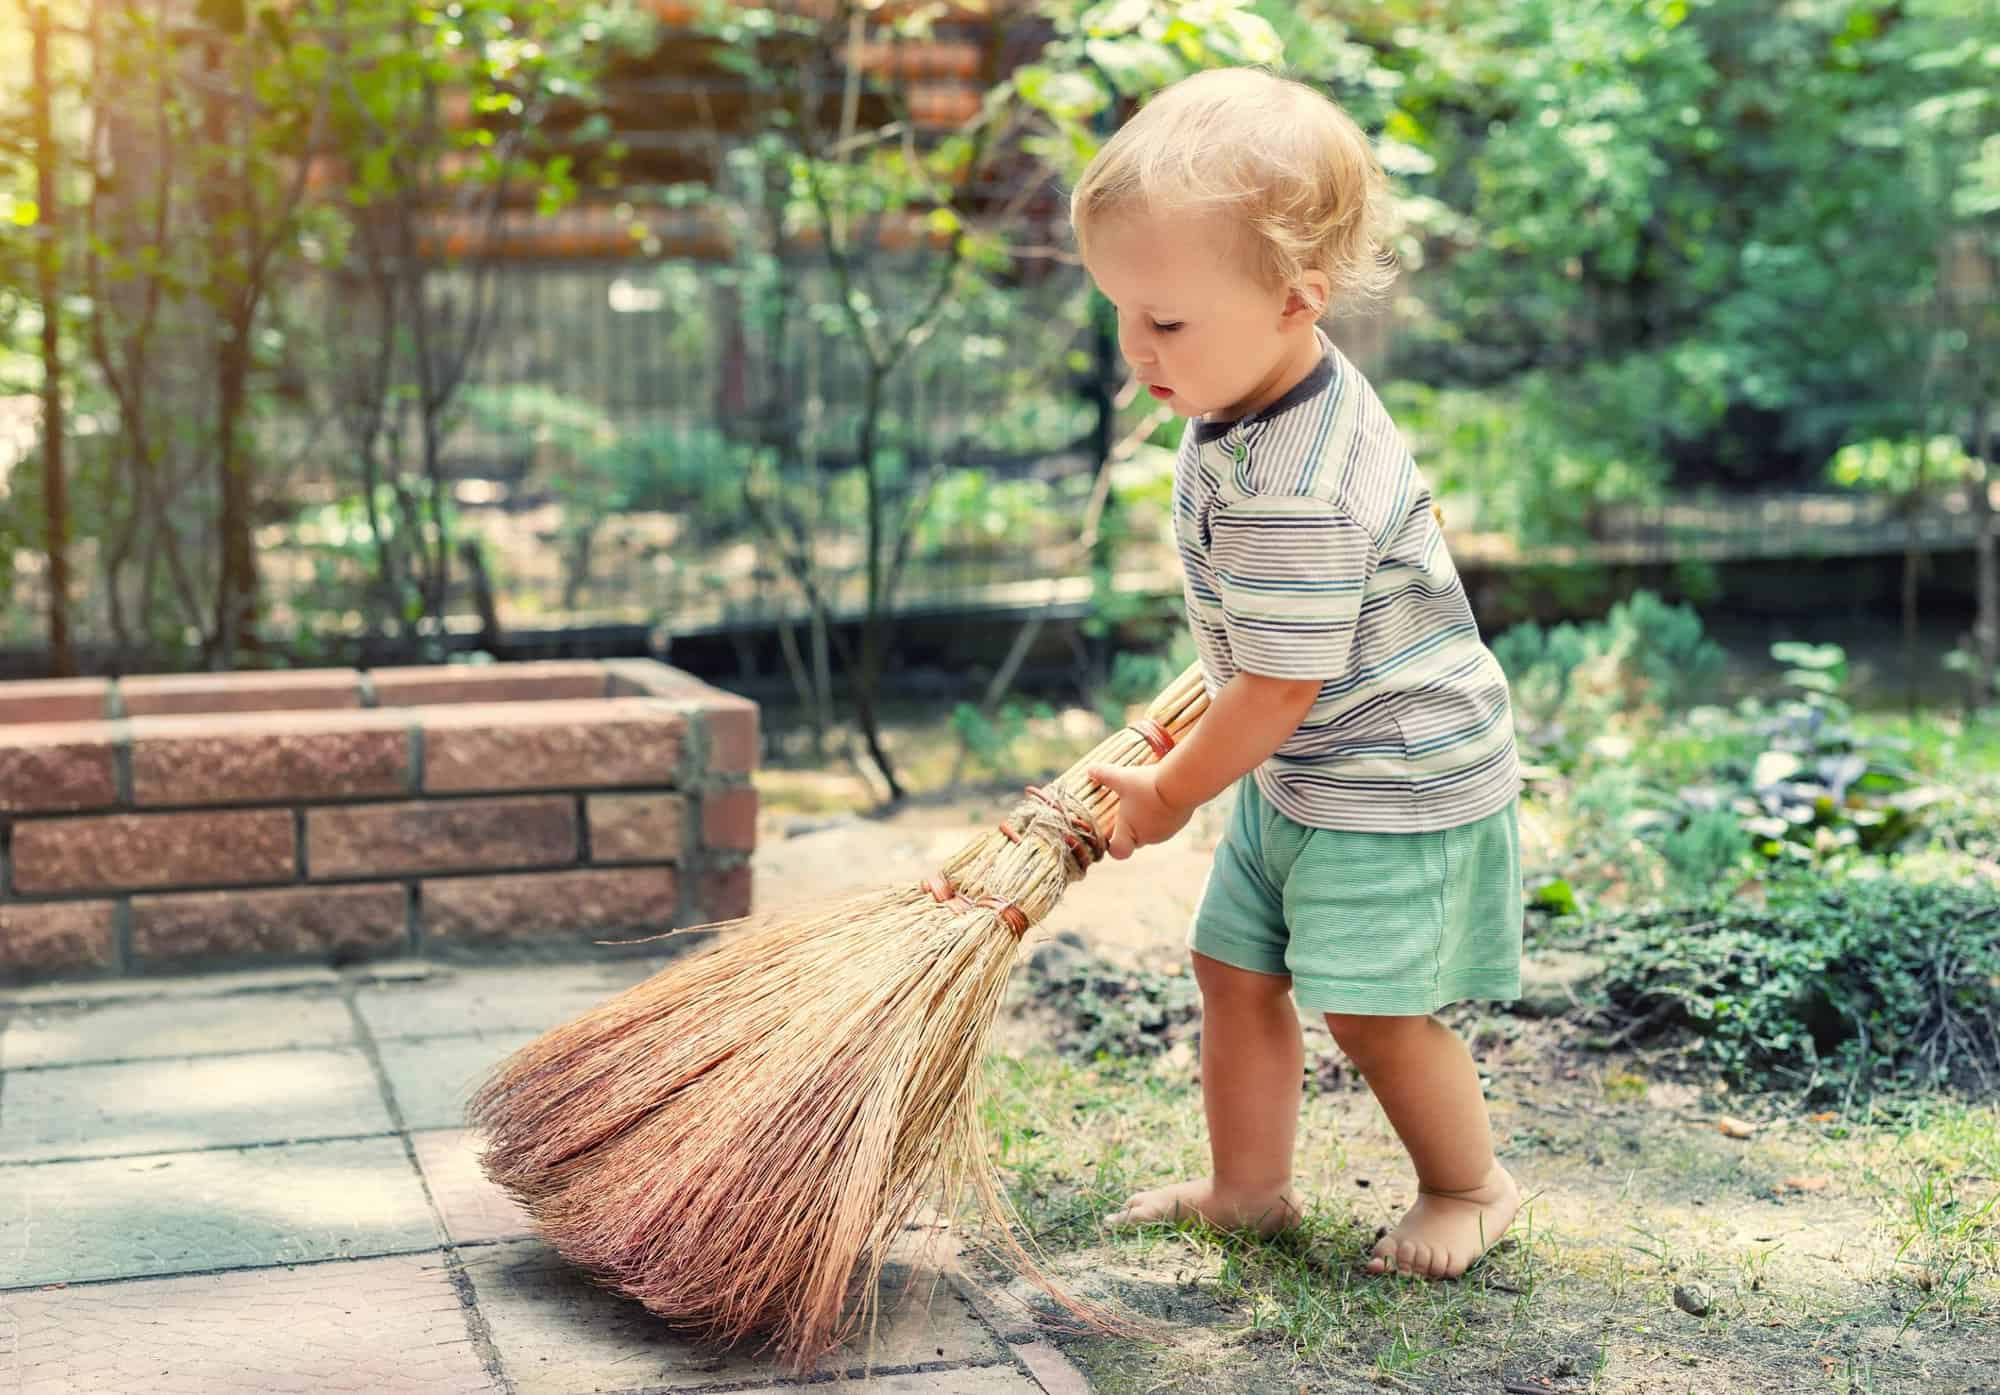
[
  {"x": 1178, "y": 707},
  {"x": 1019, "y": 877}
]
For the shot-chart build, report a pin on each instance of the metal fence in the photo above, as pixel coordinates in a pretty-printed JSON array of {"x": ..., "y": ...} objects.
[{"x": 685, "y": 345}]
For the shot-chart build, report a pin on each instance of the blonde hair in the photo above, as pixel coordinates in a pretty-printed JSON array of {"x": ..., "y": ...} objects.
[{"x": 1286, "y": 161}]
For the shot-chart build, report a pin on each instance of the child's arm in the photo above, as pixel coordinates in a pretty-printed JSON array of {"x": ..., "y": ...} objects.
[{"x": 1248, "y": 720}]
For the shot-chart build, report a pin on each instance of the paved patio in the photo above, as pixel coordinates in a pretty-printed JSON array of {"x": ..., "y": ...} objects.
[{"x": 257, "y": 1182}]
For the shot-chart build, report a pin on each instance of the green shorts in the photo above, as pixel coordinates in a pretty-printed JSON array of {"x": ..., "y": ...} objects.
[{"x": 1387, "y": 924}]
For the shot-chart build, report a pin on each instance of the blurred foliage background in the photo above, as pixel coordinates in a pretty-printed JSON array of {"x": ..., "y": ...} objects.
[{"x": 387, "y": 330}]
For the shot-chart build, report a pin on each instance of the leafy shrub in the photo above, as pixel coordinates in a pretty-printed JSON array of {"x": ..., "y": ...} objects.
[
  {"x": 1138, "y": 677},
  {"x": 973, "y": 514},
  {"x": 1704, "y": 849},
  {"x": 1772, "y": 788},
  {"x": 598, "y": 466},
  {"x": 1815, "y": 789},
  {"x": 1644, "y": 653},
  {"x": 1542, "y": 457},
  {"x": 992, "y": 741},
  {"x": 1868, "y": 981}
]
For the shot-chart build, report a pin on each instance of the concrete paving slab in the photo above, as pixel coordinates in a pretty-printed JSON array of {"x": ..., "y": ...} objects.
[
  {"x": 519, "y": 998},
  {"x": 170, "y": 1106},
  {"x": 558, "y": 1334},
  {"x": 84, "y": 991},
  {"x": 182, "y": 1213},
  {"x": 383, "y": 1326},
  {"x": 433, "y": 1079},
  {"x": 475, "y": 1211},
  {"x": 956, "y": 1380},
  {"x": 176, "y": 1026}
]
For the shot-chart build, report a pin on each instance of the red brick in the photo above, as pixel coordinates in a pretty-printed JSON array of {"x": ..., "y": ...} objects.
[
  {"x": 635, "y": 900},
  {"x": 729, "y": 818},
  {"x": 439, "y": 836},
  {"x": 281, "y": 690},
  {"x": 553, "y": 745},
  {"x": 535, "y": 682},
  {"x": 55, "y": 700},
  {"x": 152, "y": 850},
  {"x": 906, "y": 59},
  {"x": 340, "y": 922},
  {"x": 52, "y": 939},
  {"x": 725, "y": 894},
  {"x": 937, "y": 105},
  {"x": 269, "y": 756},
  {"x": 651, "y": 678},
  {"x": 732, "y": 734},
  {"x": 636, "y": 827},
  {"x": 57, "y": 765}
]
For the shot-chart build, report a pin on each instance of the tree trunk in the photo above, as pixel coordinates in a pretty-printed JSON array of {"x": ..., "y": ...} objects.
[
  {"x": 437, "y": 596},
  {"x": 795, "y": 664},
  {"x": 62, "y": 658},
  {"x": 236, "y": 604},
  {"x": 1986, "y": 627},
  {"x": 236, "y": 580},
  {"x": 1913, "y": 561},
  {"x": 474, "y": 557},
  {"x": 868, "y": 672},
  {"x": 580, "y": 546},
  {"x": 822, "y": 672}
]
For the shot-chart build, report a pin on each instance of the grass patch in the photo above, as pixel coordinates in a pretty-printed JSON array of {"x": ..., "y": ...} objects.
[
  {"x": 1074, "y": 1139},
  {"x": 1934, "y": 1169},
  {"x": 1888, "y": 1270}
]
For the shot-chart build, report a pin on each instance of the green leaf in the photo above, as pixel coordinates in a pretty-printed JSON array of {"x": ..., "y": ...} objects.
[
  {"x": 1774, "y": 767},
  {"x": 1071, "y": 96},
  {"x": 1557, "y": 896},
  {"x": 1248, "y": 37},
  {"x": 1135, "y": 66},
  {"x": 1402, "y": 126},
  {"x": 1813, "y": 680},
  {"x": 1115, "y": 17},
  {"x": 1813, "y": 656}
]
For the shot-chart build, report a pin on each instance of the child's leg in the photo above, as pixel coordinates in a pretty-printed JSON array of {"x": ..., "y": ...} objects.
[
  {"x": 1425, "y": 1080},
  {"x": 1252, "y": 1061}
]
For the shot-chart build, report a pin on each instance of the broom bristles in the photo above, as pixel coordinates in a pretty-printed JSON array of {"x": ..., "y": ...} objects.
[{"x": 738, "y": 1141}]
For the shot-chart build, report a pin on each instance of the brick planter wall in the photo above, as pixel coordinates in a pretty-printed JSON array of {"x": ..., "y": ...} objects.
[{"x": 165, "y": 823}]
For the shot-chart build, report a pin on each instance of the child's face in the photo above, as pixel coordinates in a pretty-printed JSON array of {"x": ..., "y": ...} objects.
[{"x": 1200, "y": 331}]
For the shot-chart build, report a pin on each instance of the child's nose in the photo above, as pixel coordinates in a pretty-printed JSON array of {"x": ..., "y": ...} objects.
[{"x": 1137, "y": 354}]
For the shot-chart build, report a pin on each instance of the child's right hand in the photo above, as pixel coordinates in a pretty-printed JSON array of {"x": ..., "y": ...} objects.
[{"x": 1142, "y": 816}]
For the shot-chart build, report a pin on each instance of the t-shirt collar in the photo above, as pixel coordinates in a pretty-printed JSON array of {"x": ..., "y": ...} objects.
[{"x": 1307, "y": 388}]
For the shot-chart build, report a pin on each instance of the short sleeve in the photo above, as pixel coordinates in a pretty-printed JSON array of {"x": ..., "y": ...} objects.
[{"x": 1290, "y": 572}]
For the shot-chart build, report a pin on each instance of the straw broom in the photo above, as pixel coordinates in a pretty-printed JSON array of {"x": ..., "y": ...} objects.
[{"x": 737, "y": 1141}]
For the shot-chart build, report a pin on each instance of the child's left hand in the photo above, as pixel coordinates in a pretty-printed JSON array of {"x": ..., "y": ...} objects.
[{"x": 1142, "y": 816}]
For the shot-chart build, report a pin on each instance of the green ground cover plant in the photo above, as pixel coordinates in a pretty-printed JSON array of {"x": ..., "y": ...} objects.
[{"x": 1861, "y": 983}]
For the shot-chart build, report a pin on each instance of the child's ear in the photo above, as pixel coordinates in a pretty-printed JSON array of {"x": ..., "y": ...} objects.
[{"x": 1307, "y": 299}]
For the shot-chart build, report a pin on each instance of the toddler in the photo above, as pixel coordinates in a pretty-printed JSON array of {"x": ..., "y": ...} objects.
[{"x": 1371, "y": 867}]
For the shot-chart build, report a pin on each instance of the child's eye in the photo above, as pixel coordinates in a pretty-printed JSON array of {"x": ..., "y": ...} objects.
[{"x": 1167, "y": 328}]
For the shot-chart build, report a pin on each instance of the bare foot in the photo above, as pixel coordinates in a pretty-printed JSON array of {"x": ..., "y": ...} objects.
[
  {"x": 1444, "y": 1233},
  {"x": 1266, "y": 1213}
]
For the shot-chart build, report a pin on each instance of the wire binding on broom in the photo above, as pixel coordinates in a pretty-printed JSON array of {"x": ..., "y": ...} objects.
[{"x": 739, "y": 1141}]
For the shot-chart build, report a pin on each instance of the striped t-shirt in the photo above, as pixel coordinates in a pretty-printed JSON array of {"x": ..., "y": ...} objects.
[{"x": 1311, "y": 551}]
